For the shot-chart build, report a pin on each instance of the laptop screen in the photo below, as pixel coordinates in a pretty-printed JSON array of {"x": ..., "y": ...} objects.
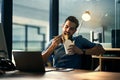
[{"x": 30, "y": 61}]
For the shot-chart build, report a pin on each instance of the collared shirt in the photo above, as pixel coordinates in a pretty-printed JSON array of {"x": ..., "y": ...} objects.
[{"x": 60, "y": 59}]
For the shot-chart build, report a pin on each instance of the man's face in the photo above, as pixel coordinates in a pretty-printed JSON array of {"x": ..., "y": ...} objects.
[{"x": 69, "y": 28}]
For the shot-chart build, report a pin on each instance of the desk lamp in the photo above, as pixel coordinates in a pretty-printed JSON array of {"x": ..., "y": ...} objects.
[{"x": 85, "y": 17}]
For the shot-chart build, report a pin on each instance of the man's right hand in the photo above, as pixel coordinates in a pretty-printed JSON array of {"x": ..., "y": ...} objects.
[{"x": 57, "y": 40}]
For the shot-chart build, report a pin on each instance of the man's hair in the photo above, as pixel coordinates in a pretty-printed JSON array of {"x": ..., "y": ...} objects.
[{"x": 73, "y": 19}]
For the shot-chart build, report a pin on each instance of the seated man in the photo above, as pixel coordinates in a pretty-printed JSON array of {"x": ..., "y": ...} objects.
[{"x": 81, "y": 50}]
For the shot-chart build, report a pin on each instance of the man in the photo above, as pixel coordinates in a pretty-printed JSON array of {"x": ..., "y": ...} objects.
[{"x": 82, "y": 49}]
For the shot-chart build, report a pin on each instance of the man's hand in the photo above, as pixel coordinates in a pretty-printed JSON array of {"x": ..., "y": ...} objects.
[
  {"x": 57, "y": 40},
  {"x": 75, "y": 49}
]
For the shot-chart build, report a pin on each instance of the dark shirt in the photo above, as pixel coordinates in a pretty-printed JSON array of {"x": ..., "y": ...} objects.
[{"x": 60, "y": 59}]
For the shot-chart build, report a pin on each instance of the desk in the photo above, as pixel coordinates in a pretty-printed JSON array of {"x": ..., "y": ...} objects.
[
  {"x": 56, "y": 75},
  {"x": 101, "y": 57}
]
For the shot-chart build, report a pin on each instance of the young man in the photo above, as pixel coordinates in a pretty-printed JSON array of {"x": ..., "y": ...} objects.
[{"x": 81, "y": 50}]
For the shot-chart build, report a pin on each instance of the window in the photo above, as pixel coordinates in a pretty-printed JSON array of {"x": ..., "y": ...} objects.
[
  {"x": 0, "y": 9},
  {"x": 30, "y": 24}
]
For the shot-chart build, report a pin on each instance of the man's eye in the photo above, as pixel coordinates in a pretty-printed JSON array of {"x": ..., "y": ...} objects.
[{"x": 66, "y": 27}]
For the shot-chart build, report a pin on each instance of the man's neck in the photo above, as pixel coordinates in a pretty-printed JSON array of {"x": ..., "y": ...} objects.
[{"x": 71, "y": 38}]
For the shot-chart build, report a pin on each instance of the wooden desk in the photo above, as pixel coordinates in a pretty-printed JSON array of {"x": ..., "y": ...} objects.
[
  {"x": 56, "y": 75},
  {"x": 101, "y": 57}
]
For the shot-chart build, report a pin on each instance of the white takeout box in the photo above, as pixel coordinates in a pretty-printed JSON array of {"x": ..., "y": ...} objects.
[{"x": 67, "y": 43}]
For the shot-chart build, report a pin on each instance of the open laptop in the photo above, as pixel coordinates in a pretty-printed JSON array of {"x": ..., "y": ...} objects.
[{"x": 29, "y": 61}]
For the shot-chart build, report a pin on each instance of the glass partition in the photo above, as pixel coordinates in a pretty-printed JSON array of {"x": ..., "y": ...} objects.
[{"x": 104, "y": 18}]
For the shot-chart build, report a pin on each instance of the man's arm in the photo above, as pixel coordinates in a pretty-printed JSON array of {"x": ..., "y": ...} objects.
[
  {"x": 89, "y": 48},
  {"x": 96, "y": 50},
  {"x": 47, "y": 53},
  {"x": 51, "y": 48}
]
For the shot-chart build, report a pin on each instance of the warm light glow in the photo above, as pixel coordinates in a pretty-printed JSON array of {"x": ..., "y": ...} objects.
[{"x": 86, "y": 16}]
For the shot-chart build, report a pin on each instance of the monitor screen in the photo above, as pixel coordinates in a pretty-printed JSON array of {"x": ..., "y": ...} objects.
[
  {"x": 116, "y": 38},
  {"x": 3, "y": 46}
]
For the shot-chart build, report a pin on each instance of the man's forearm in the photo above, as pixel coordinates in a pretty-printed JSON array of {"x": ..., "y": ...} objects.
[
  {"x": 97, "y": 50},
  {"x": 47, "y": 53}
]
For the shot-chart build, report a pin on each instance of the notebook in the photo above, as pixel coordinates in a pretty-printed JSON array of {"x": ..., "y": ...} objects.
[{"x": 29, "y": 61}]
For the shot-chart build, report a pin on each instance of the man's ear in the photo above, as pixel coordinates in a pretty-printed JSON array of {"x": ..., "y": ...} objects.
[{"x": 75, "y": 30}]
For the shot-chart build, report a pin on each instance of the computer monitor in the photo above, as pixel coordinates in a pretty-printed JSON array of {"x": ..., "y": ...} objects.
[
  {"x": 3, "y": 46},
  {"x": 115, "y": 38}
]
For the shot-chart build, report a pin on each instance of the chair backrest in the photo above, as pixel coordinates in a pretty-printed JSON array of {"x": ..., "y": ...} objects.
[{"x": 86, "y": 62}]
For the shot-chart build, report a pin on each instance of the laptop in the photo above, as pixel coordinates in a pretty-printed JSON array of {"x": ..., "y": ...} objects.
[{"x": 29, "y": 61}]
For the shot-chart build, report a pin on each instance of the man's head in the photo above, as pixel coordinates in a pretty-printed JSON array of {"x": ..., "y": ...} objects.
[
  {"x": 73, "y": 19},
  {"x": 70, "y": 26}
]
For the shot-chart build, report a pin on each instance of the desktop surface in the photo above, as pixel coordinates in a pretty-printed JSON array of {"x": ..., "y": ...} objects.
[{"x": 61, "y": 75}]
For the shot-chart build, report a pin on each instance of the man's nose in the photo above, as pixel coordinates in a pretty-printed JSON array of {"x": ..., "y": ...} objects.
[{"x": 68, "y": 29}]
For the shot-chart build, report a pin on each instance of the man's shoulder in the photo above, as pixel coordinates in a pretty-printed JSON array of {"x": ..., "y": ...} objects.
[{"x": 78, "y": 37}]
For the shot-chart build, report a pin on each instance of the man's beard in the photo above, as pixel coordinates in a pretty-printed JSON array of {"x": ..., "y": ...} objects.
[{"x": 69, "y": 36}]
